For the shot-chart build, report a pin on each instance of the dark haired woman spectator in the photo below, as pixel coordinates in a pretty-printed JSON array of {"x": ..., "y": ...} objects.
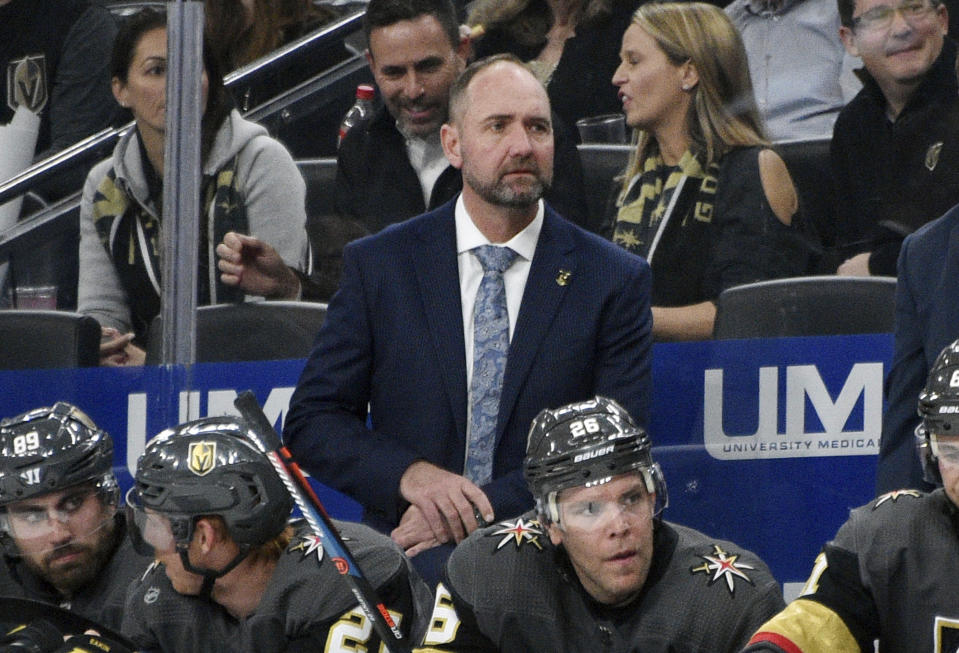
[{"x": 250, "y": 186}]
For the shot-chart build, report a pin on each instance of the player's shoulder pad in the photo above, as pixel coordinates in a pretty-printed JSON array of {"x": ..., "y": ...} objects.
[
  {"x": 895, "y": 499},
  {"x": 508, "y": 548},
  {"x": 719, "y": 563},
  {"x": 890, "y": 515},
  {"x": 380, "y": 558},
  {"x": 523, "y": 535},
  {"x": 151, "y": 587}
]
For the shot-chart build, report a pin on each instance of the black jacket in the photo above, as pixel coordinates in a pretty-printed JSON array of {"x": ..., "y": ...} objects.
[
  {"x": 377, "y": 186},
  {"x": 893, "y": 177}
]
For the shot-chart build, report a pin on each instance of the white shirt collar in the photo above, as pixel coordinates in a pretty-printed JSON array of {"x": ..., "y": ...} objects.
[{"x": 468, "y": 236}]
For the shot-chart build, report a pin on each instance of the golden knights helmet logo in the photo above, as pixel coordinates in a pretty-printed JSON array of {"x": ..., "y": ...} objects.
[
  {"x": 27, "y": 83},
  {"x": 202, "y": 457}
]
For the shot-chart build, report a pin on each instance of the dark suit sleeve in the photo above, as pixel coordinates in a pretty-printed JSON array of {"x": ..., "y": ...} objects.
[
  {"x": 623, "y": 366},
  {"x": 326, "y": 427},
  {"x": 898, "y": 464},
  {"x": 509, "y": 495},
  {"x": 80, "y": 101}
]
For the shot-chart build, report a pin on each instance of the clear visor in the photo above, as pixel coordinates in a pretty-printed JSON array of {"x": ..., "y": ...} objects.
[
  {"x": 52, "y": 521},
  {"x": 150, "y": 530},
  {"x": 636, "y": 505},
  {"x": 945, "y": 448}
]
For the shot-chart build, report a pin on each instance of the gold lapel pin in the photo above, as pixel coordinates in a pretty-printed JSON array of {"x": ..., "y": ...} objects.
[{"x": 563, "y": 277}]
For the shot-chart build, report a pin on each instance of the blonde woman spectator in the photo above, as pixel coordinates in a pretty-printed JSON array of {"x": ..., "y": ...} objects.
[{"x": 704, "y": 199}]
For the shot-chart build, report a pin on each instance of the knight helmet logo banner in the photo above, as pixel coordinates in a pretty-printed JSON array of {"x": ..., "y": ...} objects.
[
  {"x": 202, "y": 458},
  {"x": 27, "y": 83}
]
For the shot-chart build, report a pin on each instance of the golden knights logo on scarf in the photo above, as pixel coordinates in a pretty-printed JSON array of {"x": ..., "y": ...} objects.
[
  {"x": 131, "y": 236},
  {"x": 651, "y": 198}
]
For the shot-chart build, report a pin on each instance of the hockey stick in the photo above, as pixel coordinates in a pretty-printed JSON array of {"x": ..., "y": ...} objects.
[{"x": 319, "y": 521}]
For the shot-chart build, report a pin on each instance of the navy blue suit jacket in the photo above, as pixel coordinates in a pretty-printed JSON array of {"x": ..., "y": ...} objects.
[
  {"x": 927, "y": 319},
  {"x": 393, "y": 342}
]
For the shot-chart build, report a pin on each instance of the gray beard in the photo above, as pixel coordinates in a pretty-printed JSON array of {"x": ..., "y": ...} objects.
[{"x": 501, "y": 194}]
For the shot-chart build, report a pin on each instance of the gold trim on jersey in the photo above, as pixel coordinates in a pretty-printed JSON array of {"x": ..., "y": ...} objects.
[
  {"x": 939, "y": 639},
  {"x": 811, "y": 627}
]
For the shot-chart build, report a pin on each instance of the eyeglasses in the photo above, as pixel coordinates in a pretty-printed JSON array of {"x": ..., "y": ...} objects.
[
  {"x": 946, "y": 450},
  {"x": 880, "y": 18}
]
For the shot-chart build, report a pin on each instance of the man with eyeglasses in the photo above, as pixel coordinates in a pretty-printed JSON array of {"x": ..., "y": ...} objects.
[
  {"x": 63, "y": 540},
  {"x": 594, "y": 567},
  {"x": 895, "y": 151},
  {"x": 888, "y": 574}
]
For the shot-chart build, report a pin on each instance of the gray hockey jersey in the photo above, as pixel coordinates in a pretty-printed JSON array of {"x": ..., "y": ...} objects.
[
  {"x": 307, "y": 605},
  {"x": 508, "y": 588}
]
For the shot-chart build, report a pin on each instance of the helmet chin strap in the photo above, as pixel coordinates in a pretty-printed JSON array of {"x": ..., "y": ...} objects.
[{"x": 210, "y": 575}]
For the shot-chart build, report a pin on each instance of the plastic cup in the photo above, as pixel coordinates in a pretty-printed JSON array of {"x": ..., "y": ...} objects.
[{"x": 37, "y": 297}]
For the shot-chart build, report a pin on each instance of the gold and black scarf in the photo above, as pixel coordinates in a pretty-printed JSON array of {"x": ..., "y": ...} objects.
[
  {"x": 131, "y": 235},
  {"x": 660, "y": 193}
]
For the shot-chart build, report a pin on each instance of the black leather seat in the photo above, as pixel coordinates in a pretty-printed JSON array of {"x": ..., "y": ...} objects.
[
  {"x": 601, "y": 165},
  {"x": 47, "y": 339},
  {"x": 249, "y": 331},
  {"x": 808, "y": 164},
  {"x": 807, "y": 306},
  {"x": 320, "y": 177}
]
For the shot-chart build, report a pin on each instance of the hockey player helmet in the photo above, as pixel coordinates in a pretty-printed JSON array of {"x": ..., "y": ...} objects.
[
  {"x": 586, "y": 444},
  {"x": 49, "y": 450},
  {"x": 208, "y": 467},
  {"x": 53, "y": 448},
  {"x": 939, "y": 409}
]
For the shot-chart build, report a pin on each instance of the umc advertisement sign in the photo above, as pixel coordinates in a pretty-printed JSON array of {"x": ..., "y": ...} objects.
[{"x": 765, "y": 442}]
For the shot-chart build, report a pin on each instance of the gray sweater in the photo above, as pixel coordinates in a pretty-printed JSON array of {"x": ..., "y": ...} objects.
[{"x": 266, "y": 176}]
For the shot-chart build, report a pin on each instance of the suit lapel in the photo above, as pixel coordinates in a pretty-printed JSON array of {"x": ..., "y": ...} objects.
[
  {"x": 437, "y": 275},
  {"x": 553, "y": 267}
]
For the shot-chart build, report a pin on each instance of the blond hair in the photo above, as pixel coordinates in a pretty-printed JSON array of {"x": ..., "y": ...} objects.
[{"x": 723, "y": 112}]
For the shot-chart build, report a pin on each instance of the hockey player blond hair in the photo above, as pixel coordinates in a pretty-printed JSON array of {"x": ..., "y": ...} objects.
[{"x": 232, "y": 574}]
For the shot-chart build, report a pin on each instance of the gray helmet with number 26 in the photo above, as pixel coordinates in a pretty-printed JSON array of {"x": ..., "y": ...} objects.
[{"x": 585, "y": 444}]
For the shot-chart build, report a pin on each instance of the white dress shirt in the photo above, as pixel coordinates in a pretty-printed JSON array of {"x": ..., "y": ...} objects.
[{"x": 428, "y": 160}]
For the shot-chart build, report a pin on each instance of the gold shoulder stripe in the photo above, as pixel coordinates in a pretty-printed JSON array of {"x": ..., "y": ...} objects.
[{"x": 807, "y": 627}]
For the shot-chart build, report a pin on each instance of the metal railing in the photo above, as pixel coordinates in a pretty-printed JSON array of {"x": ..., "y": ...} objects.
[
  {"x": 280, "y": 107},
  {"x": 241, "y": 83}
]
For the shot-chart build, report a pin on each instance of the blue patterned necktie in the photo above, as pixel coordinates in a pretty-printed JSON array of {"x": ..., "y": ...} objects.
[{"x": 490, "y": 345}]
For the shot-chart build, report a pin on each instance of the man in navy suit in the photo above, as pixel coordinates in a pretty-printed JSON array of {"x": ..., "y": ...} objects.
[
  {"x": 927, "y": 320},
  {"x": 399, "y": 333}
]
